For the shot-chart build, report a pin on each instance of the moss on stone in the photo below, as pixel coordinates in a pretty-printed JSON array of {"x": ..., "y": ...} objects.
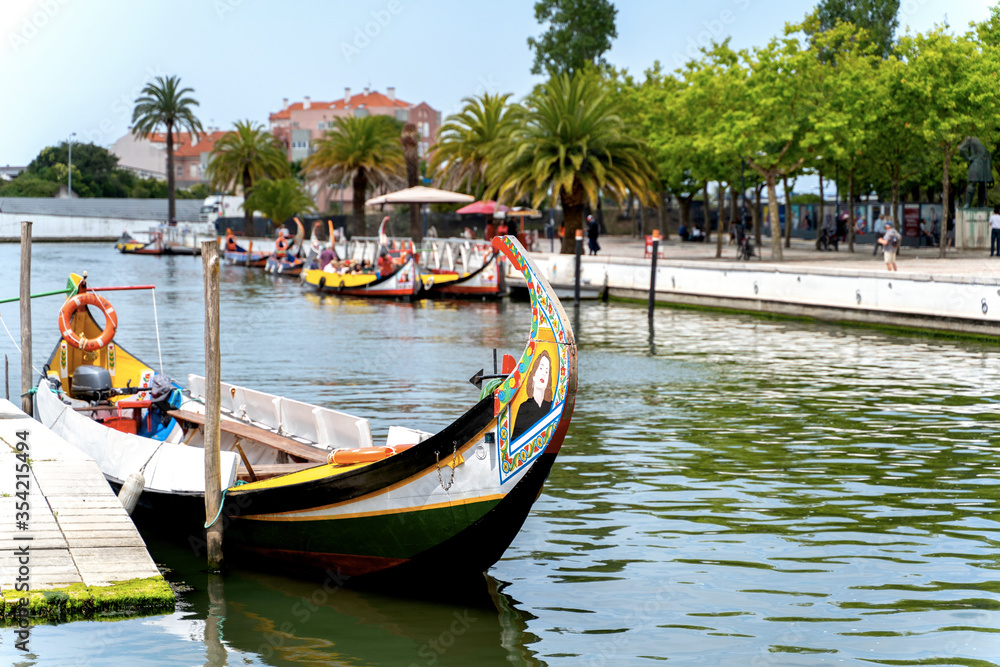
[{"x": 79, "y": 601}]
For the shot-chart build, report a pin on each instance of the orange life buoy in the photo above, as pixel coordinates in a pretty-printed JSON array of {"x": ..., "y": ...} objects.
[
  {"x": 78, "y": 303},
  {"x": 363, "y": 454}
]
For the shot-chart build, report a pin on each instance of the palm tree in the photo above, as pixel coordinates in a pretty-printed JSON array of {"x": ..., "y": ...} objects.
[
  {"x": 465, "y": 141},
  {"x": 572, "y": 138},
  {"x": 279, "y": 199},
  {"x": 163, "y": 103},
  {"x": 364, "y": 151},
  {"x": 411, "y": 157},
  {"x": 245, "y": 156}
]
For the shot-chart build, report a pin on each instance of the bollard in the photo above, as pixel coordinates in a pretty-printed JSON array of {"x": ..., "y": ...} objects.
[
  {"x": 576, "y": 279},
  {"x": 652, "y": 271}
]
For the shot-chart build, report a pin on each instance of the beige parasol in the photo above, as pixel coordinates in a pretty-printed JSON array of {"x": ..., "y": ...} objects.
[{"x": 421, "y": 195}]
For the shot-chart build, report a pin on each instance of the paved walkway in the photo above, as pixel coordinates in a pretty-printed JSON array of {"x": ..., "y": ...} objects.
[
  {"x": 803, "y": 253},
  {"x": 75, "y": 530}
]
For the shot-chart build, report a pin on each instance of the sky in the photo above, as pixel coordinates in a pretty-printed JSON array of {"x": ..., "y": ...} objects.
[{"x": 78, "y": 65}]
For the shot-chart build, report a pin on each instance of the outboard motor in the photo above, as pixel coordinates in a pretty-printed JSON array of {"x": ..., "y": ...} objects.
[{"x": 91, "y": 383}]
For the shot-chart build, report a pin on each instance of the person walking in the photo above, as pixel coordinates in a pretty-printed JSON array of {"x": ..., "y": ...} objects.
[
  {"x": 593, "y": 233},
  {"x": 995, "y": 231},
  {"x": 890, "y": 244}
]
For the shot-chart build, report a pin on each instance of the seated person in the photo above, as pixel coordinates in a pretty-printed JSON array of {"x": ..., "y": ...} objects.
[
  {"x": 697, "y": 234},
  {"x": 684, "y": 233},
  {"x": 385, "y": 265}
]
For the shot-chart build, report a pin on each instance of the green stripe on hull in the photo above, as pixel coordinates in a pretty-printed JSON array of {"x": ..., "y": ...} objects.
[{"x": 400, "y": 535}]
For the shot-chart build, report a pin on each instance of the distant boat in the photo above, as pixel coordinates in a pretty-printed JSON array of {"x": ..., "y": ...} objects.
[
  {"x": 319, "y": 495},
  {"x": 488, "y": 281},
  {"x": 403, "y": 283},
  {"x": 236, "y": 254},
  {"x": 129, "y": 245}
]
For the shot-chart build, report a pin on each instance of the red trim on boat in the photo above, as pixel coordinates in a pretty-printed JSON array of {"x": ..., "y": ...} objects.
[{"x": 351, "y": 565}]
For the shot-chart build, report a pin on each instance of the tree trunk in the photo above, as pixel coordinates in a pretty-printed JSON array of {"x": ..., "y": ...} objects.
[
  {"x": 850, "y": 209},
  {"x": 946, "y": 207},
  {"x": 247, "y": 213},
  {"x": 411, "y": 156},
  {"x": 819, "y": 218},
  {"x": 734, "y": 203},
  {"x": 360, "y": 185},
  {"x": 708, "y": 216},
  {"x": 722, "y": 208},
  {"x": 171, "y": 207},
  {"x": 756, "y": 212},
  {"x": 572, "y": 203},
  {"x": 684, "y": 204},
  {"x": 895, "y": 204},
  {"x": 772, "y": 209},
  {"x": 788, "y": 212}
]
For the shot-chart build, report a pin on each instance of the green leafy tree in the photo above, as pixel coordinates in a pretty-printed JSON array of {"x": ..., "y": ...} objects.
[
  {"x": 363, "y": 151},
  {"x": 579, "y": 33},
  {"x": 467, "y": 139},
  {"x": 573, "y": 139},
  {"x": 954, "y": 84},
  {"x": 768, "y": 118},
  {"x": 877, "y": 20},
  {"x": 852, "y": 105},
  {"x": 279, "y": 199},
  {"x": 164, "y": 104},
  {"x": 28, "y": 185},
  {"x": 95, "y": 170},
  {"x": 244, "y": 157}
]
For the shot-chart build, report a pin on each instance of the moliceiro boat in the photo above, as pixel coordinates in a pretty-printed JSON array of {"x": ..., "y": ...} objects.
[
  {"x": 403, "y": 283},
  {"x": 305, "y": 486},
  {"x": 488, "y": 281}
]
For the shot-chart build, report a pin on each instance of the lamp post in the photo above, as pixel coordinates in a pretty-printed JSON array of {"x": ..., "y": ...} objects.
[{"x": 70, "y": 160}]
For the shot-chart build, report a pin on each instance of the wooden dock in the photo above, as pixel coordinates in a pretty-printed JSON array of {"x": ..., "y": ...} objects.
[{"x": 77, "y": 535}]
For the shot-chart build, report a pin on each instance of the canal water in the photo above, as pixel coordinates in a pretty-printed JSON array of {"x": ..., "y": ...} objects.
[{"x": 733, "y": 490}]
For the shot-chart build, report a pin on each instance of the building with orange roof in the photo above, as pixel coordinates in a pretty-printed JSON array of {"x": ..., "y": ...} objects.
[
  {"x": 299, "y": 124},
  {"x": 148, "y": 157}
]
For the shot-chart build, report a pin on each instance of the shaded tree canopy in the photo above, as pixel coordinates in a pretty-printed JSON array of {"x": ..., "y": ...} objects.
[
  {"x": 579, "y": 33},
  {"x": 878, "y": 19}
]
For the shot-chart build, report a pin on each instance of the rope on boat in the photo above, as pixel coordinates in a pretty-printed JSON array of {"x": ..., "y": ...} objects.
[
  {"x": 156, "y": 324},
  {"x": 16, "y": 346},
  {"x": 222, "y": 502}
]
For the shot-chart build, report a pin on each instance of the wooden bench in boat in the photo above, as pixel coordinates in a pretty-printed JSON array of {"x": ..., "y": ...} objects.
[{"x": 263, "y": 436}]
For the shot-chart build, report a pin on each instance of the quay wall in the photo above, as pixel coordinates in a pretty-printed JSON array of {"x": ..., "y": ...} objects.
[{"x": 960, "y": 304}]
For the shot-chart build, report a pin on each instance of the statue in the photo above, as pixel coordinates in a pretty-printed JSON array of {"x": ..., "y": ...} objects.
[{"x": 980, "y": 169}]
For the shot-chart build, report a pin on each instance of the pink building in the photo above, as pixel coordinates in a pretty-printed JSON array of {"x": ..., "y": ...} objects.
[{"x": 298, "y": 124}]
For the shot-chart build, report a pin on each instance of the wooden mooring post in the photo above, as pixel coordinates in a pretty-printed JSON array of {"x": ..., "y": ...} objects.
[
  {"x": 213, "y": 401},
  {"x": 26, "y": 383}
]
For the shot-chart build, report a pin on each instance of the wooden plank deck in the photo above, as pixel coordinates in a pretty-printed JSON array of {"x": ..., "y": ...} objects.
[{"x": 77, "y": 531}]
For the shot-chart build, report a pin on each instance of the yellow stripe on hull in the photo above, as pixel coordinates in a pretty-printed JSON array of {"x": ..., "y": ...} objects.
[{"x": 385, "y": 512}]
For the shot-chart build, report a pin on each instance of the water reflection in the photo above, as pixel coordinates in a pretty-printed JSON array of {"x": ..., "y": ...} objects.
[{"x": 733, "y": 490}]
